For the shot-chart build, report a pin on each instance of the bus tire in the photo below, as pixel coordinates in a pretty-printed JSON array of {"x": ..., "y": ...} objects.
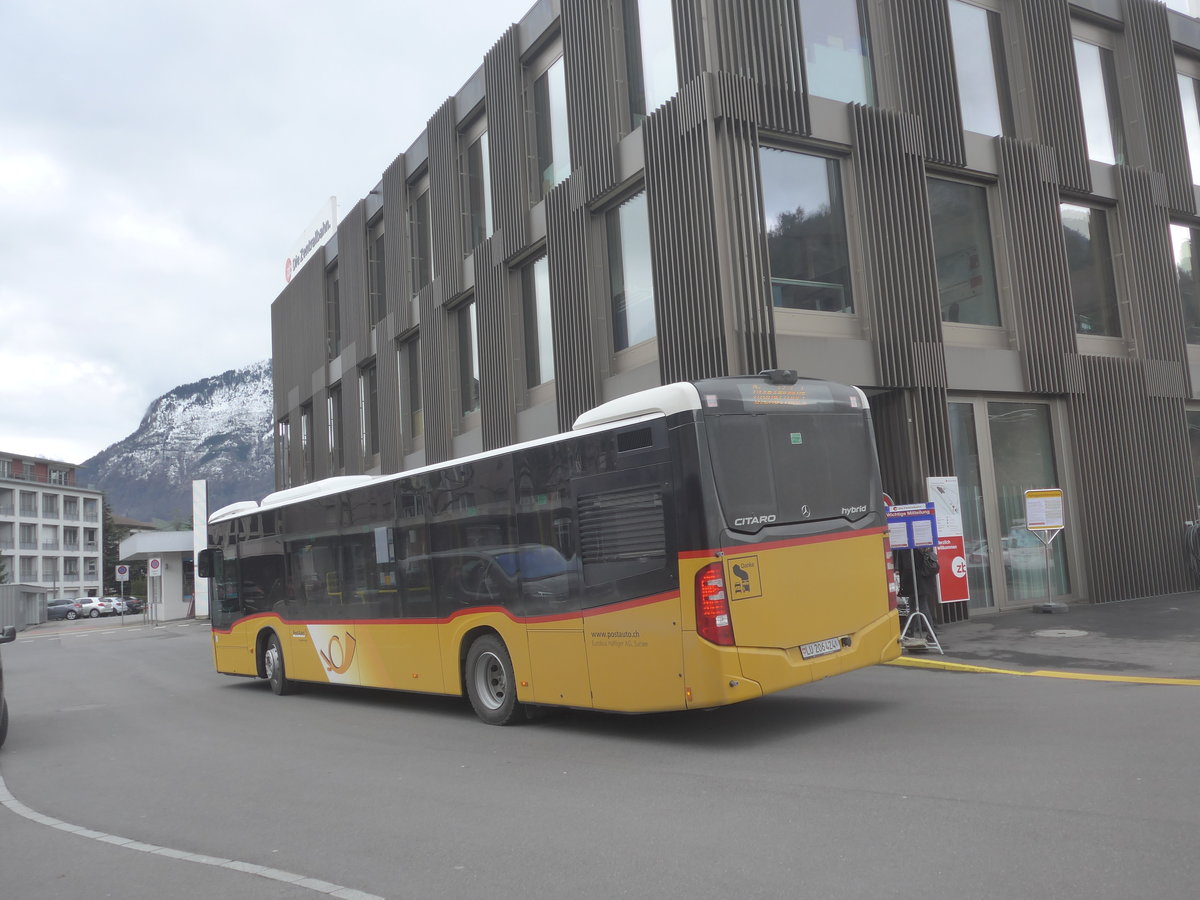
[
  {"x": 491, "y": 684},
  {"x": 273, "y": 667},
  {"x": 3, "y": 720}
]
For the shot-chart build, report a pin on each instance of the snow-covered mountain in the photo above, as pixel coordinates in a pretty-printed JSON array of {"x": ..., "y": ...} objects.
[{"x": 219, "y": 429}]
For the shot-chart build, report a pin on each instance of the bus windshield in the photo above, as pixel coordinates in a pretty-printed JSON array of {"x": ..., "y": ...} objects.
[{"x": 788, "y": 467}]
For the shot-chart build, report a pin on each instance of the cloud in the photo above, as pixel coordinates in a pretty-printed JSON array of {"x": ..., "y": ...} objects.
[{"x": 158, "y": 160}]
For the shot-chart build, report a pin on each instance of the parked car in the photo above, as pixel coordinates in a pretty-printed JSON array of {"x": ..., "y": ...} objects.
[
  {"x": 95, "y": 606},
  {"x": 63, "y": 608},
  {"x": 7, "y": 634},
  {"x": 134, "y": 605},
  {"x": 120, "y": 607}
]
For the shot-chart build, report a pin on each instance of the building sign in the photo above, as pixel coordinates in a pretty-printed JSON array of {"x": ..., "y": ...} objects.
[
  {"x": 951, "y": 546},
  {"x": 321, "y": 229}
]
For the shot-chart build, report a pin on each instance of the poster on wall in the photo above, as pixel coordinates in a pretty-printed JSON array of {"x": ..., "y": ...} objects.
[{"x": 951, "y": 548}]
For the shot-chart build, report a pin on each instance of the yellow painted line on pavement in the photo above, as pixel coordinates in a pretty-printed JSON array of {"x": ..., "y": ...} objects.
[{"x": 947, "y": 666}]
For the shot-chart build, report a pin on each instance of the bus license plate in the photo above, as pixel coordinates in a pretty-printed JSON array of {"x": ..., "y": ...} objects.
[{"x": 820, "y": 648}]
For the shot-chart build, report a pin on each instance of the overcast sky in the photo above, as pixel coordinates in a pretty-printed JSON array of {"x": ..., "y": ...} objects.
[{"x": 157, "y": 162}]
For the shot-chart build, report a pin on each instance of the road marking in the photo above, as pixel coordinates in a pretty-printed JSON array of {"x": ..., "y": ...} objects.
[
  {"x": 237, "y": 865},
  {"x": 909, "y": 662}
]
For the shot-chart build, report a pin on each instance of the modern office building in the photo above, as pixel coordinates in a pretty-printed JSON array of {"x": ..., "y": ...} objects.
[
  {"x": 980, "y": 211},
  {"x": 51, "y": 529}
]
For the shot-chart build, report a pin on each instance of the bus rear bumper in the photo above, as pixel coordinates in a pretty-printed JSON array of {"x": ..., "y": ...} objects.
[
  {"x": 778, "y": 669},
  {"x": 741, "y": 673}
]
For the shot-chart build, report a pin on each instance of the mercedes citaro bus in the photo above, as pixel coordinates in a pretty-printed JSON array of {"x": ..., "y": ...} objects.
[{"x": 688, "y": 546}]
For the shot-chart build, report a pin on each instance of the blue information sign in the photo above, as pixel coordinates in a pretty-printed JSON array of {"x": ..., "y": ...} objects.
[{"x": 912, "y": 525}]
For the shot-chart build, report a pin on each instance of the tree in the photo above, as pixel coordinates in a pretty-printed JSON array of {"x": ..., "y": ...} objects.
[{"x": 113, "y": 535}]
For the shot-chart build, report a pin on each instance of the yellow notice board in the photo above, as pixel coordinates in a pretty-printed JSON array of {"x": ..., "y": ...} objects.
[{"x": 1044, "y": 509}]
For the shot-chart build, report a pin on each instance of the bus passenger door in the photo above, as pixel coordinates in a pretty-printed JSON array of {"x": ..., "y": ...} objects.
[
  {"x": 631, "y": 589},
  {"x": 546, "y": 562}
]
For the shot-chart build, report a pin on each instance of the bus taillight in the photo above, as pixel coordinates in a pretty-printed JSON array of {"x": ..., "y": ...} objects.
[
  {"x": 893, "y": 577},
  {"x": 712, "y": 606}
]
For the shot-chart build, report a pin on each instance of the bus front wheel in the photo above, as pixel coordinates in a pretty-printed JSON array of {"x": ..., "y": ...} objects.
[
  {"x": 273, "y": 667},
  {"x": 491, "y": 685}
]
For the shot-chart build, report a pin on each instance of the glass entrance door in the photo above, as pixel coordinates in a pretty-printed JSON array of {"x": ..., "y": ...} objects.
[{"x": 1003, "y": 448}]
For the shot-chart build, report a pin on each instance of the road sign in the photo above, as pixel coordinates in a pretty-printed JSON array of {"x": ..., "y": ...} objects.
[
  {"x": 154, "y": 567},
  {"x": 122, "y": 573}
]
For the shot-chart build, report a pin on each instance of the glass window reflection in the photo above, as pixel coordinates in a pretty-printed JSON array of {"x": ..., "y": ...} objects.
[
  {"x": 837, "y": 59},
  {"x": 630, "y": 273},
  {"x": 649, "y": 55},
  {"x": 806, "y": 231},
  {"x": 979, "y": 66},
  {"x": 1089, "y": 258},
  {"x": 1184, "y": 242},
  {"x": 1099, "y": 98},
  {"x": 962, "y": 242},
  {"x": 539, "y": 337},
  {"x": 550, "y": 127},
  {"x": 1191, "y": 122}
]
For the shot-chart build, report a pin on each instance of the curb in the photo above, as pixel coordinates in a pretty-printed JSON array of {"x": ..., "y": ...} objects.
[{"x": 910, "y": 663}]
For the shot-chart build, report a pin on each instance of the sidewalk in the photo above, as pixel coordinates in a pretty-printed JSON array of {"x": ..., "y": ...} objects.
[{"x": 1151, "y": 637}]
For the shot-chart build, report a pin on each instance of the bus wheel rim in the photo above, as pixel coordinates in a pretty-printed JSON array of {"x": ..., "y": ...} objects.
[{"x": 491, "y": 681}]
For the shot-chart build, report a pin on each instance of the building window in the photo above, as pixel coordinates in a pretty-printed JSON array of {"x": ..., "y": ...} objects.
[
  {"x": 71, "y": 508},
  {"x": 477, "y": 186},
  {"x": 89, "y": 540},
  {"x": 27, "y": 535},
  {"x": 368, "y": 410},
  {"x": 550, "y": 135},
  {"x": 333, "y": 315},
  {"x": 468, "y": 358},
  {"x": 284, "y": 440},
  {"x": 49, "y": 506},
  {"x": 631, "y": 278},
  {"x": 376, "y": 276},
  {"x": 333, "y": 409},
  {"x": 306, "y": 442},
  {"x": 1089, "y": 257},
  {"x": 409, "y": 369},
  {"x": 837, "y": 59},
  {"x": 420, "y": 230},
  {"x": 806, "y": 231},
  {"x": 980, "y": 67},
  {"x": 91, "y": 509},
  {"x": 1191, "y": 122},
  {"x": 1185, "y": 241},
  {"x": 962, "y": 242},
  {"x": 1098, "y": 94},
  {"x": 58, "y": 476},
  {"x": 649, "y": 56},
  {"x": 539, "y": 338},
  {"x": 29, "y": 503}
]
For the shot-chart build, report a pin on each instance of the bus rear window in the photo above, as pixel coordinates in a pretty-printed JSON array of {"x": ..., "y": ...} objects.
[{"x": 790, "y": 467}]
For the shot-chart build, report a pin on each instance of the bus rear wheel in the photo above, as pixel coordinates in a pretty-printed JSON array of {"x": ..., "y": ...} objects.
[
  {"x": 273, "y": 667},
  {"x": 491, "y": 684}
]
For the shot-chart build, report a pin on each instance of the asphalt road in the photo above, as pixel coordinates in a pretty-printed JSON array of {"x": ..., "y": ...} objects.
[{"x": 883, "y": 783}]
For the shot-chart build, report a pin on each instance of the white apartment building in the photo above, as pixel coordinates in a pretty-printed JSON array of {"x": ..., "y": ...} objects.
[{"x": 51, "y": 530}]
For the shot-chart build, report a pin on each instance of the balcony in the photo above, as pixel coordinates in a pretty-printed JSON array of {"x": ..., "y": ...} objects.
[
  {"x": 49, "y": 545},
  {"x": 29, "y": 512},
  {"x": 29, "y": 545},
  {"x": 71, "y": 577},
  {"x": 7, "y": 509},
  {"x": 71, "y": 546}
]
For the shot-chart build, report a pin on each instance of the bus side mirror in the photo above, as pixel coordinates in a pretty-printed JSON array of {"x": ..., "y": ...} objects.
[{"x": 206, "y": 562}]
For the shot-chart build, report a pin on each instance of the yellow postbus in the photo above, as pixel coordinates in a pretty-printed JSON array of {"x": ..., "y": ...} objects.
[{"x": 688, "y": 546}]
